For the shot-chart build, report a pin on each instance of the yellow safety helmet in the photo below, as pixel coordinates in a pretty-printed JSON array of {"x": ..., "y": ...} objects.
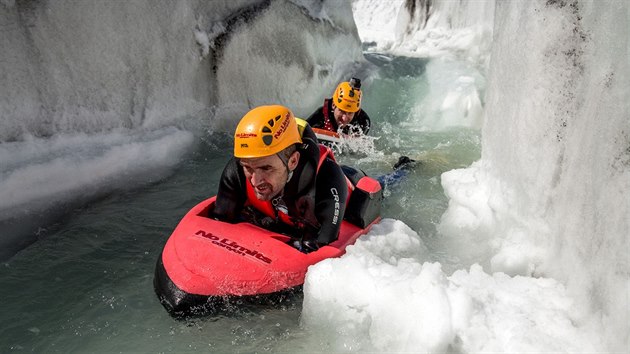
[
  {"x": 264, "y": 131},
  {"x": 347, "y": 98}
]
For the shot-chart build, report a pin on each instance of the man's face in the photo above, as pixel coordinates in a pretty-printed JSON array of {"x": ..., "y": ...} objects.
[
  {"x": 342, "y": 117},
  {"x": 268, "y": 175}
]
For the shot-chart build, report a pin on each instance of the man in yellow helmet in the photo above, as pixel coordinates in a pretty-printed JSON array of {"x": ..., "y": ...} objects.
[
  {"x": 342, "y": 111},
  {"x": 278, "y": 180}
]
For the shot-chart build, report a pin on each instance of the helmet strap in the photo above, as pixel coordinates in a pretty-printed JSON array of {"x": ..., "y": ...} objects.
[{"x": 285, "y": 162}]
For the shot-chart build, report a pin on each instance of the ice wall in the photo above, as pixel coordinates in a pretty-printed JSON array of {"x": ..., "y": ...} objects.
[
  {"x": 290, "y": 54},
  {"x": 428, "y": 28},
  {"x": 550, "y": 194},
  {"x": 91, "y": 66},
  {"x": 427, "y": 14}
]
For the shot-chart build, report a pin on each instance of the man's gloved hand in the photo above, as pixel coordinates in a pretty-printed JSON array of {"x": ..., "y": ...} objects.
[
  {"x": 253, "y": 216},
  {"x": 305, "y": 246}
]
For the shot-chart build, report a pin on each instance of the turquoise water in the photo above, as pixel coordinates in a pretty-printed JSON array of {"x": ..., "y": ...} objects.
[{"x": 86, "y": 286}]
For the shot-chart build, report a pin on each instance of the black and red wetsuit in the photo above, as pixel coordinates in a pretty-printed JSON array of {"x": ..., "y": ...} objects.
[
  {"x": 315, "y": 197},
  {"x": 324, "y": 118}
]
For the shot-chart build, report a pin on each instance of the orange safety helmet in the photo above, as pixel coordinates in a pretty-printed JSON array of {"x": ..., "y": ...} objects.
[
  {"x": 347, "y": 97},
  {"x": 264, "y": 131}
]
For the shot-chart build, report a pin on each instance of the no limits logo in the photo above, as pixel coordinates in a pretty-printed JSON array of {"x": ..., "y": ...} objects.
[
  {"x": 267, "y": 130},
  {"x": 233, "y": 246}
]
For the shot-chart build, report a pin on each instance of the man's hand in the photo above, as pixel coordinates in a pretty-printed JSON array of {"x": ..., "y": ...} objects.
[
  {"x": 253, "y": 216},
  {"x": 305, "y": 246}
]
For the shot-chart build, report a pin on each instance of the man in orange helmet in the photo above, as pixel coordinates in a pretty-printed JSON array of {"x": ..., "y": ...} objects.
[
  {"x": 342, "y": 113},
  {"x": 278, "y": 180}
]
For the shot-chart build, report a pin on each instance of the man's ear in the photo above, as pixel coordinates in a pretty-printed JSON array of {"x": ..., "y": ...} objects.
[{"x": 293, "y": 160}]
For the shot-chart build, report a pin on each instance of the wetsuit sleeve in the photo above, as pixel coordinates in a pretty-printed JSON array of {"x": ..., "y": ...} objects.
[
  {"x": 331, "y": 197},
  {"x": 316, "y": 119},
  {"x": 364, "y": 122},
  {"x": 232, "y": 193}
]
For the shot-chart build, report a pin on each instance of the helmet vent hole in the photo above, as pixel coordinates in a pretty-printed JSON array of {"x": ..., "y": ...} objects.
[
  {"x": 267, "y": 139},
  {"x": 266, "y": 129}
]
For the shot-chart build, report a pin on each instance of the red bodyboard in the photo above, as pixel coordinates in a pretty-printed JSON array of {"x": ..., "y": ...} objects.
[{"x": 207, "y": 257}]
